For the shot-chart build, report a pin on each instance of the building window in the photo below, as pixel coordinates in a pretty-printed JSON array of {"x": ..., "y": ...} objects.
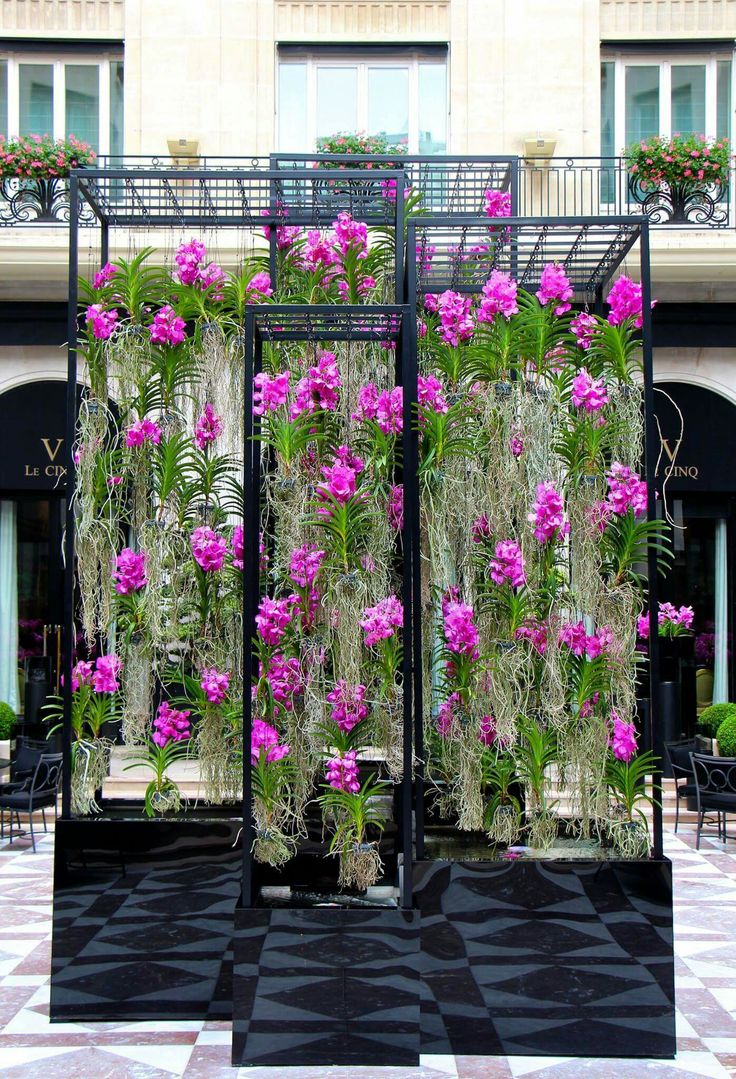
[
  {"x": 400, "y": 94},
  {"x": 645, "y": 95},
  {"x": 70, "y": 95}
]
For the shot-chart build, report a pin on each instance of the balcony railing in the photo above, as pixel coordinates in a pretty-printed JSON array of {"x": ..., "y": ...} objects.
[
  {"x": 558, "y": 187},
  {"x": 603, "y": 186}
]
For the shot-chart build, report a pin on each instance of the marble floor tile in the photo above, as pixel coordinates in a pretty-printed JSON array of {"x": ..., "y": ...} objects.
[{"x": 33, "y": 1048}]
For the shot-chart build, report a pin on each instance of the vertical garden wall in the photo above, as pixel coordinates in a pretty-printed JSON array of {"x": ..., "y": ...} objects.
[{"x": 366, "y": 536}]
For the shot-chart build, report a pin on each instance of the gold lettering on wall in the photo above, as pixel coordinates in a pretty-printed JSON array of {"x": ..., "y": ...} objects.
[{"x": 59, "y": 443}]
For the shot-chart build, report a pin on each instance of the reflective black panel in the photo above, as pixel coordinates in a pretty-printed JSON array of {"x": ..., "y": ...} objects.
[
  {"x": 143, "y": 918},
  {"x": 547, "y": 958},
  {"x": 326, "y": 986}
]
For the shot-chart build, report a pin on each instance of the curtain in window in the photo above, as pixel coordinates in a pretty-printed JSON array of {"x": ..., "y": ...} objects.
[
  {"x": 720, "y": 667},
  {"x": 8, "y": 606}
]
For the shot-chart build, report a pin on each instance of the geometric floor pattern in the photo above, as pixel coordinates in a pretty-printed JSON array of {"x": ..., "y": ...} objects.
[{"x": 32, "y": 1048}]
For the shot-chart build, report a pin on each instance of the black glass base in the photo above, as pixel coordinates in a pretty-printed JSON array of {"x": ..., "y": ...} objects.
[
  {"x": 143, "y": 917},
  {"x": 547, "y": 958},
  {"x": 326, "y": 985}
]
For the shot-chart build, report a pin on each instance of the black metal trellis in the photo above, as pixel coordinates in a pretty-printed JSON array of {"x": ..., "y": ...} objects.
[
  {"x": 452, "y": 184},
  {"x": 460, "y": 254},
  {"x": 281, "y": 323},
  {"x": 590, "y": 250}
]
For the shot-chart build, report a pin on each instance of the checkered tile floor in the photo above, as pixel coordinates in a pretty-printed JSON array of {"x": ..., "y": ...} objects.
[{"x": 705, "y": 944}]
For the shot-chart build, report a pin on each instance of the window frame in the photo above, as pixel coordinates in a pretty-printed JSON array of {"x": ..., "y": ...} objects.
[
  {"x": 57, "y": 62},
  {"x": 709, "y": 58},
  {"x": 411, "y": 59}
]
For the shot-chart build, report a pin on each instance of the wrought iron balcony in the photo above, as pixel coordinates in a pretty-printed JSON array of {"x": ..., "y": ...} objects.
[
  {"x": 603, "y": 186},
  {"x": 558, "y": 187}
]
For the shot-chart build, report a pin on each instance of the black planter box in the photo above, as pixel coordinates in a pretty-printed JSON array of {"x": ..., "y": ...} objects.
[
  {"x": 326, "y": 985},
  {"x": 143, "y": 918},
  {"x": 546, "y": 958}
]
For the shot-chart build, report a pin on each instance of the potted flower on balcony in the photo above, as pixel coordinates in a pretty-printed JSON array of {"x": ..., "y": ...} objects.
[
  {"x": 680, "y": 180},
  {"x": 33, "y": 174}
]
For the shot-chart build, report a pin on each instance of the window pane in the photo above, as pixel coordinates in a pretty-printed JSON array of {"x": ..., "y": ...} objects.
[
  {"x": 36, "y": 99},
  {"x": 388, "y": 103},
  {"x": 688, "y": 99},
  {"x": 642, "y": 103},
  {"x": 337, "y": 100},
  {"x": 4, "y": 98},
  {"x": 432, "y": 108},
  {"x": 83, "y": 103},
  {"x": 608, "y": 149},
  {"x": 723, "y": 102},
  {"x": 116, "y": 107},
  {"x": 292, "y": 133}
]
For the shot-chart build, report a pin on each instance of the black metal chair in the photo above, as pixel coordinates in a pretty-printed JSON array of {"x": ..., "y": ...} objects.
[
  {"x": 23, "y": 764},
  {"x": 40, "y": 791},
  {"x": 715, "y": 789},
  {"x": 678, "y": 757}
]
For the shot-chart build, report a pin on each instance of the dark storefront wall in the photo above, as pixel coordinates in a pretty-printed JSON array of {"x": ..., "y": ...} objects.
[
  {"x": 697, "y": 475},
  {"x": 32, "y": 486}
]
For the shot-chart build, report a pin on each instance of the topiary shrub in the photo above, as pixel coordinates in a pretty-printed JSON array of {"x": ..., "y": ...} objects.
[
  {"x": 727, "y": 737},
  {"x": 712, "y": 717},
  {"x": 7, "y": 721}
]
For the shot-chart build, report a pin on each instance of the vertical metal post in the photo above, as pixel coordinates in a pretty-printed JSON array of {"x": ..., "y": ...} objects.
[
  {"x": 251, "y": 479},
  {"x": 71, "y": 422},
  {"x": 104, "y": 242},
  {"x": 651, "y": 455},
  {"x": 514, "y": 187},
  {"x": 411, "y": 513},
  {"x": 410, "y": 526},
  {"x": 399, "y": 245}
]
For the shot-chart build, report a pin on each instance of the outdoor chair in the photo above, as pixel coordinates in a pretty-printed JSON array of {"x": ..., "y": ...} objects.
[
  {"x": 39, "y": 791},
  {"x": 678, "y": 756},
  {"x": 23, "y": 764},
  {"x": 715, "y": 789}
]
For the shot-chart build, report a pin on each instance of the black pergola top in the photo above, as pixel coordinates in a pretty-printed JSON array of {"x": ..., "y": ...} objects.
[
  {"x": 460, "y": 254},
  {"x": 448, "y": 183},
  {"x": 343, "y": 322},
  {"x": 144, "y": 196}
]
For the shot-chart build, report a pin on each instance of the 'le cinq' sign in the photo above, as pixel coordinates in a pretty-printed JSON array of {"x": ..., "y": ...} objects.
[
  {"x": 698, "y": 442},
  {"x": 33, "y": 421}
]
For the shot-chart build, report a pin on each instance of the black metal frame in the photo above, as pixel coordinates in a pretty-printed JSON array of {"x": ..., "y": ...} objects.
[
  {"x": 523, "y": 247},
  {"x": 590, "y": 249},
  {"x": 304, "y": 322},
  {"x": 84, "y": 184},
  {"x": 463, "y": 178}
]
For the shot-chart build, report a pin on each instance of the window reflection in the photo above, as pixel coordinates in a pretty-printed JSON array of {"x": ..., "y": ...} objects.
[
  {"x": 388, "y": 103},
  {"x": 36, "y": 99},
  {"x": 337, "y": 100}
]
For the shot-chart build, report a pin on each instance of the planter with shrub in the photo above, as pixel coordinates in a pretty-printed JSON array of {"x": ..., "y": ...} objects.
[
  {"x": 8, "y": 721},
  {"x": 682, "y": 180},
  {"x": 709, "y": 723},
  {"x": 34, "y": 171},
  {"x": 726, "y": 736}
]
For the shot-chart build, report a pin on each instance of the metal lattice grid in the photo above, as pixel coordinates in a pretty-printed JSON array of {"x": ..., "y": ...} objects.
[
  {"x": 302, "y": 322},
  {"x": 148, "y": 197},
  {"x": 460, "y": 255},
  {"x": 448, "y": 184}
]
